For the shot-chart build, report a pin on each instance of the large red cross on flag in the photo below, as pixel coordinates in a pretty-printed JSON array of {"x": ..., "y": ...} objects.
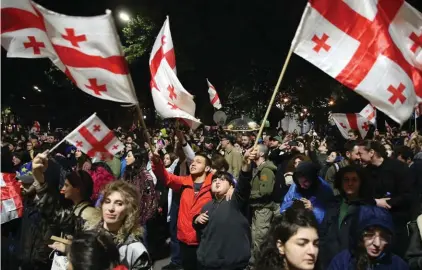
[
  {"x": 95, "y": 139},
  {"x": 373, "y": 47},
  {"x": 171, "y": 100},
  {"x": 11, "y": 201},
  {"x": 87, "y": 49},
  {"x": 215, "y": 100},
  {"x": 347, "y": 121}
]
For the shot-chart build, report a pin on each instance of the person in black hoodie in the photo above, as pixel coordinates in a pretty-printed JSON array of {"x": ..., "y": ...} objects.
[
  {"x": 392, "y": 188},
  {"x": 224, "y": 232},
  {"x": 342, "y": 213}
]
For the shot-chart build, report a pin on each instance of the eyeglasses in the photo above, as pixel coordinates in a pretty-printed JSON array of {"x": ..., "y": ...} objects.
[{"x": 370, "y": 236}]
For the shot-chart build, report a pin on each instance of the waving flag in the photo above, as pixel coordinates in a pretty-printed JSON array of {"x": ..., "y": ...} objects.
[
  {"x": 87, "y": 49},
  {"x": 373, "y": 47},
  {"x": 215, "y": 100},
  {"x": 171, "y": 100},
  {"x": 370, "y": 113},
  {"x": 348, "y": 121},
  {"x": 11, "y": 200},
  {"x": 95, "y": 139}
]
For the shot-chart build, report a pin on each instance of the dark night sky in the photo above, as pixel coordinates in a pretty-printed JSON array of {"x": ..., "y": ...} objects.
[{"x": 217, "y": 39}]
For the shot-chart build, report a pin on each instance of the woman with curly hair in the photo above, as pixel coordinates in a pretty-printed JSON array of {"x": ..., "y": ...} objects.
[
  {"x": 292, "y": 241},
  {"x": 120, "y": 218}
]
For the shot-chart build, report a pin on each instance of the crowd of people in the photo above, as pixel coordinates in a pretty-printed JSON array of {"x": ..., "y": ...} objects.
[{"x": 218, "y": 200}]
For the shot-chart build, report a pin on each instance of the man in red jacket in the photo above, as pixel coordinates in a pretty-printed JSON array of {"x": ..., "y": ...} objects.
[{"x": 195, "y": 192}]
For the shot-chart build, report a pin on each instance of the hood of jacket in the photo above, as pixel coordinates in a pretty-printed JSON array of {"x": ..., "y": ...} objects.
[
  {"x": 308, "y": 170},
  {"x": 370, "y": 216}
]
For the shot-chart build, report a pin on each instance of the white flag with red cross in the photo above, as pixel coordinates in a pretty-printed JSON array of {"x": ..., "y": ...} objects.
[
  {"x": 86, "y": 49},
  {"x": 215, "y": 100},
  {"x": 373, "y": 47},
  {"x": 95, "y": 139},
  {"x": 370, "y": 113},
  {"x": 348, "y": 121},
  {"x": 171, "y": 100},
  {"x": 11, "y": 206}
]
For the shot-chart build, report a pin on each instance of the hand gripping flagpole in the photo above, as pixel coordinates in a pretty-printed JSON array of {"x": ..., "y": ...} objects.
[{"x": 280, "y": 78}]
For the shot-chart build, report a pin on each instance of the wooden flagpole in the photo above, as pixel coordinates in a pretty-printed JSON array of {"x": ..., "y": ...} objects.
[{"x": 277, "y": 86}]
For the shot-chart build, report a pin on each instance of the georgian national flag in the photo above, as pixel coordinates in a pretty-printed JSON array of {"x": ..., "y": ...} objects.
[
  {"x": 373, "y": 47},
  {"x": 370, "y": 113},
  {"x": 171, "y": 100},
  {"x": 215, "y": 100},
  {"x": 95, "y": 139},
  {"x": 348, "y": 121},
  {"x": 86, "y": 49},
  {"x": 11, "y": 200}
]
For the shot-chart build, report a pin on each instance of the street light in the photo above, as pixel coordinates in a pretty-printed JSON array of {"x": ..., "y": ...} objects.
[
  {"x": 285, "y": 100},
  {"x": 124, "y": 16},
  {"x": 37, "y": 89},
  {"x": 331, "y": 102},
  {"x": 23, "y": 97}
]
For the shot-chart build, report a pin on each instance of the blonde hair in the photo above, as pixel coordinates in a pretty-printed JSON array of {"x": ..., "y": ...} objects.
[{"x": 131, "y": 198}]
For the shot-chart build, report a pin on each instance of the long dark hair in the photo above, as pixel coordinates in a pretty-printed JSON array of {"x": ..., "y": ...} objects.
[
  {"x": 141, "y": 159},
  {"x": 93, "y": 250},
  {"x": 82, "y": 180},
  {"x": 282, "y": 229}
]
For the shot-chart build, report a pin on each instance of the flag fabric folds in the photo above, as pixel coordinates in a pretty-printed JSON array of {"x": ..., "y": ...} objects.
[
  {"x": 373, "y": 47},
  {"x": 86, "y": 49},
  {"x": 348, "y": 121},
  {"x": 214, "y": 99}
]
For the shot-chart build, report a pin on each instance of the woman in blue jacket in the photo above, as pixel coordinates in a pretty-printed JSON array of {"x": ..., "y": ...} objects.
[
  {"x": 309, "y": 188},
  {"x": 372, "y": 248}
]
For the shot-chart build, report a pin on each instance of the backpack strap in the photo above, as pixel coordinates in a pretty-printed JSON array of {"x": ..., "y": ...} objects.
[{"x": 82, "y": 209}]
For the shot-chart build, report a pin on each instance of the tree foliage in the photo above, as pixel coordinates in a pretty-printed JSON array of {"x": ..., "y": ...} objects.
[{"x": 139, "y": 36}]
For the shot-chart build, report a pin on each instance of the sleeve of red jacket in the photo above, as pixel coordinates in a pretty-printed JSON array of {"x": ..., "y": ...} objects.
[{"x": 170, "y": 180}]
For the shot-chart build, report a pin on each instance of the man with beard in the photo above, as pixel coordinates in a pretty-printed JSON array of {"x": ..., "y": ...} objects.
[
  {"x": 246, "y": 143},
  {"x": 351, "y": 156},
  {"x": 392, "y": 188}
]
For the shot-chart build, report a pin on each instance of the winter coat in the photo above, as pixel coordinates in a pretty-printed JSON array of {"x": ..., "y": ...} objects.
[
  {"x": 393, "y": 179},
  {"x": 134, "y": 255},
  {"x": 263, "y": 184},
  {"x": 234, "y": 159},
  {"x": 226, "y": 230},
  {"x": 190, "y": 204},
  {"x": 416, "y": 170},
  {"x": 369, "y": 216},
  {"x": 335, "y": 237},
  {"x": 319, "y": 193}
]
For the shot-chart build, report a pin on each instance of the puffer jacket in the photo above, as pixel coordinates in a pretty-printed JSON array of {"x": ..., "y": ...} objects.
[
  {"x": 319, "y": 193},
  {"x": 190, "y": 204}
]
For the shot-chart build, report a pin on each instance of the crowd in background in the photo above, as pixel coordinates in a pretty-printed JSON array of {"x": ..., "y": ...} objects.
[{"x": 295, "y": 201}]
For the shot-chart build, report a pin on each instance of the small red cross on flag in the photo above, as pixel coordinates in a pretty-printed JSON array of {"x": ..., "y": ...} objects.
[
  {"x": 95, "y": 139},
  {"x": 373, "y": 47},
  {"x": 347, "y": 121}
]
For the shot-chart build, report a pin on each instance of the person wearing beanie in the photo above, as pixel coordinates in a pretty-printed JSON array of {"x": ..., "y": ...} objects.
[
  {"x": 223, "y": 231},
  {"x": 372, "y": 245}
]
